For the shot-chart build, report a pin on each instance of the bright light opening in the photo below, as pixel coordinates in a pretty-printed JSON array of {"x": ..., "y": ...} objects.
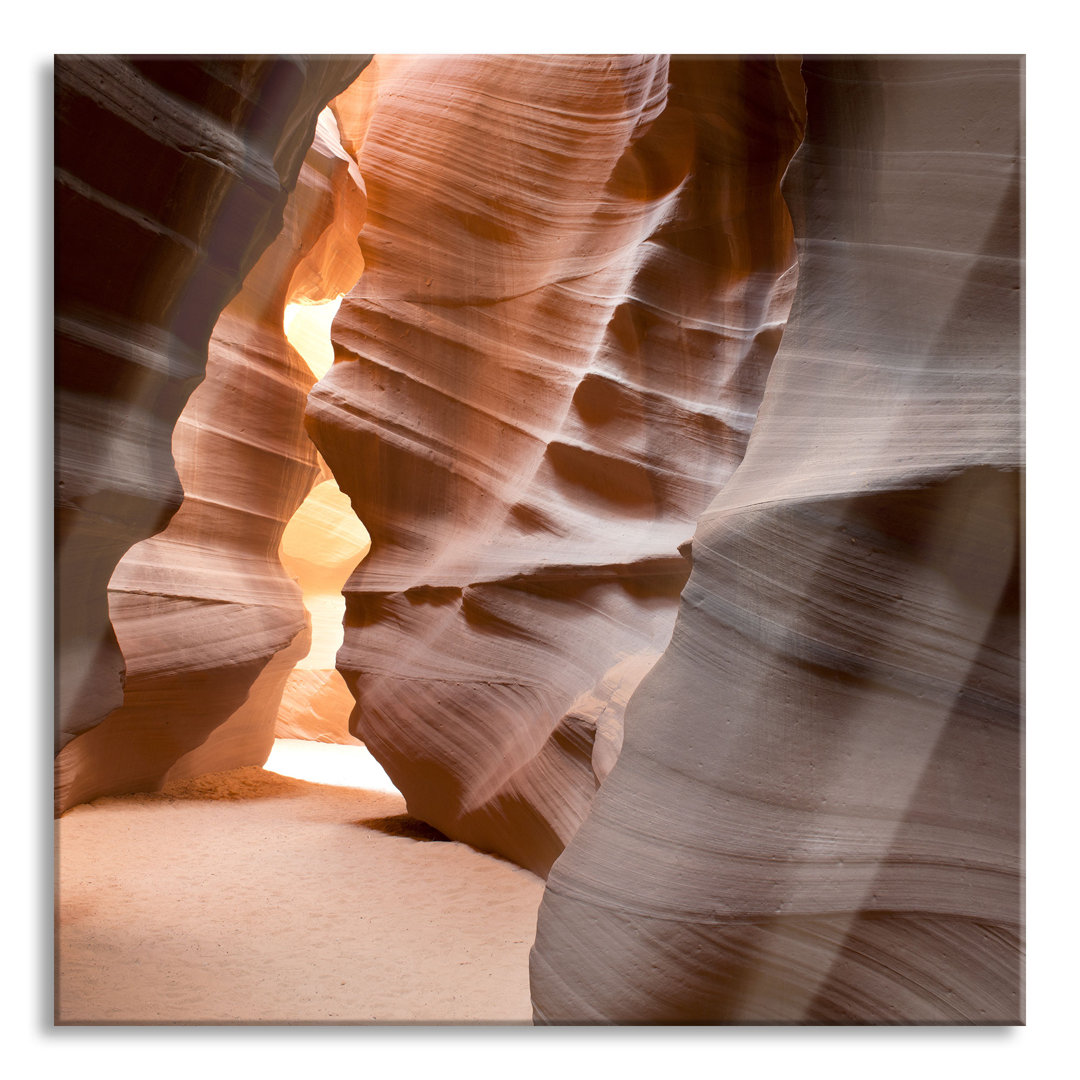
[
  {"x": 320, "y": 547},
  {"x": 328, "y": 763},
  {"x": 323, "y": 543},
  {"x": 307, "y": 328}
]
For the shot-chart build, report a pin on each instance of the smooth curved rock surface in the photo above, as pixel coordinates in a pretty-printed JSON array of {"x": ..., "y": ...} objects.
[
  {"x": 209, "y": 622},
  {"x": 816, "y": 813},
  {"x": 171, "y": 180},
  {"x": 578, "y": 269}
]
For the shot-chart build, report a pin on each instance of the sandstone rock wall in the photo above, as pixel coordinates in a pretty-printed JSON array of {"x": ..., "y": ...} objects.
[
  {"x": 578, "y": 270},
  {"x": 816, "y": 813},
  {"x": 202, "y": 608},
  {"x": 550, "y": 377}
]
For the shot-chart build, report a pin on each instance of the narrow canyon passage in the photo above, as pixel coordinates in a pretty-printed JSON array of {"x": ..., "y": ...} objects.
[
  {"x": 322, "y": 544},
  {"x": 623, "y": 452},
  {"x": 301, "y": 892},
  {"x": 250, "y": 897}
]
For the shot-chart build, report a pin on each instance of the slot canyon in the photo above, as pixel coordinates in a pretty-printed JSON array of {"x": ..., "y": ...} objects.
[{"x": 610, "y": 465}]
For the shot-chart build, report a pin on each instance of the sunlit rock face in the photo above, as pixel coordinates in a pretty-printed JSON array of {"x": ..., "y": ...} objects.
[
  {"x": 209, "y": 622},
  {"x": 577, "y": 273},
  {"x": 171, "y": 180},
  {"x": 816, "y": 813},
  {"x": 322, "y": 544}
]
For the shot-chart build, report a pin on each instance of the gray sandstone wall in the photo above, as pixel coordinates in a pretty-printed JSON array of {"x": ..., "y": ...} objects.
[{"x": 816, "y": 814}]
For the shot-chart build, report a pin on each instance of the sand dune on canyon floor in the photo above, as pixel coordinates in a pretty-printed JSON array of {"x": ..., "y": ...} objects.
[{"x": 249, "y": 897}]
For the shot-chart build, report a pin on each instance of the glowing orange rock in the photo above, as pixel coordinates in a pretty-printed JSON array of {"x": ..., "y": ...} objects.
[{"x": 322, "y": 544}]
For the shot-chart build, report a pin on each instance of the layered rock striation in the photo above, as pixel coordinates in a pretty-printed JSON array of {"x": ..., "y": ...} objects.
[
  {"x": 577, "y": 273},
  {"x": 171, "y": 179},
  {"x": 557, "y": 369},
  {"x": 208, "y": 621},
  {"x": 816, "y": 814}
]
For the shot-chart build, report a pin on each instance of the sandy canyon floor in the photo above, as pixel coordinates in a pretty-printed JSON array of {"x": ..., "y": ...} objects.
[{"x": 251, "y": 897}]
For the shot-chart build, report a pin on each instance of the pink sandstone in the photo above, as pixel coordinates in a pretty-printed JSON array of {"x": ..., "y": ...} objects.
[{"x": 577, "y": 272}]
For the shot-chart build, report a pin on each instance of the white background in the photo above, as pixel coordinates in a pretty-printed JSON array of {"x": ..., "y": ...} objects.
[{"x": 35, "y": 32}]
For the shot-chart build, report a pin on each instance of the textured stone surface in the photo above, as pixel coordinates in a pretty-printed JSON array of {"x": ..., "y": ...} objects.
[
  {"x": 578, "y": 269},
  {"x": 171, "y": 179},
  {"x": 208, "y": 621},
  {"x": 816, "y": 814},
  {"x": 578, "y": 273}
]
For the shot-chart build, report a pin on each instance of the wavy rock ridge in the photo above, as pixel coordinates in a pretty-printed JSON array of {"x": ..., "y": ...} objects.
[
  {"x": 204, "y": 612},
  {"x": 577, "y": 273},
  {"x": 171, "y": 178},
  {"x": 816, "y": 814}
]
